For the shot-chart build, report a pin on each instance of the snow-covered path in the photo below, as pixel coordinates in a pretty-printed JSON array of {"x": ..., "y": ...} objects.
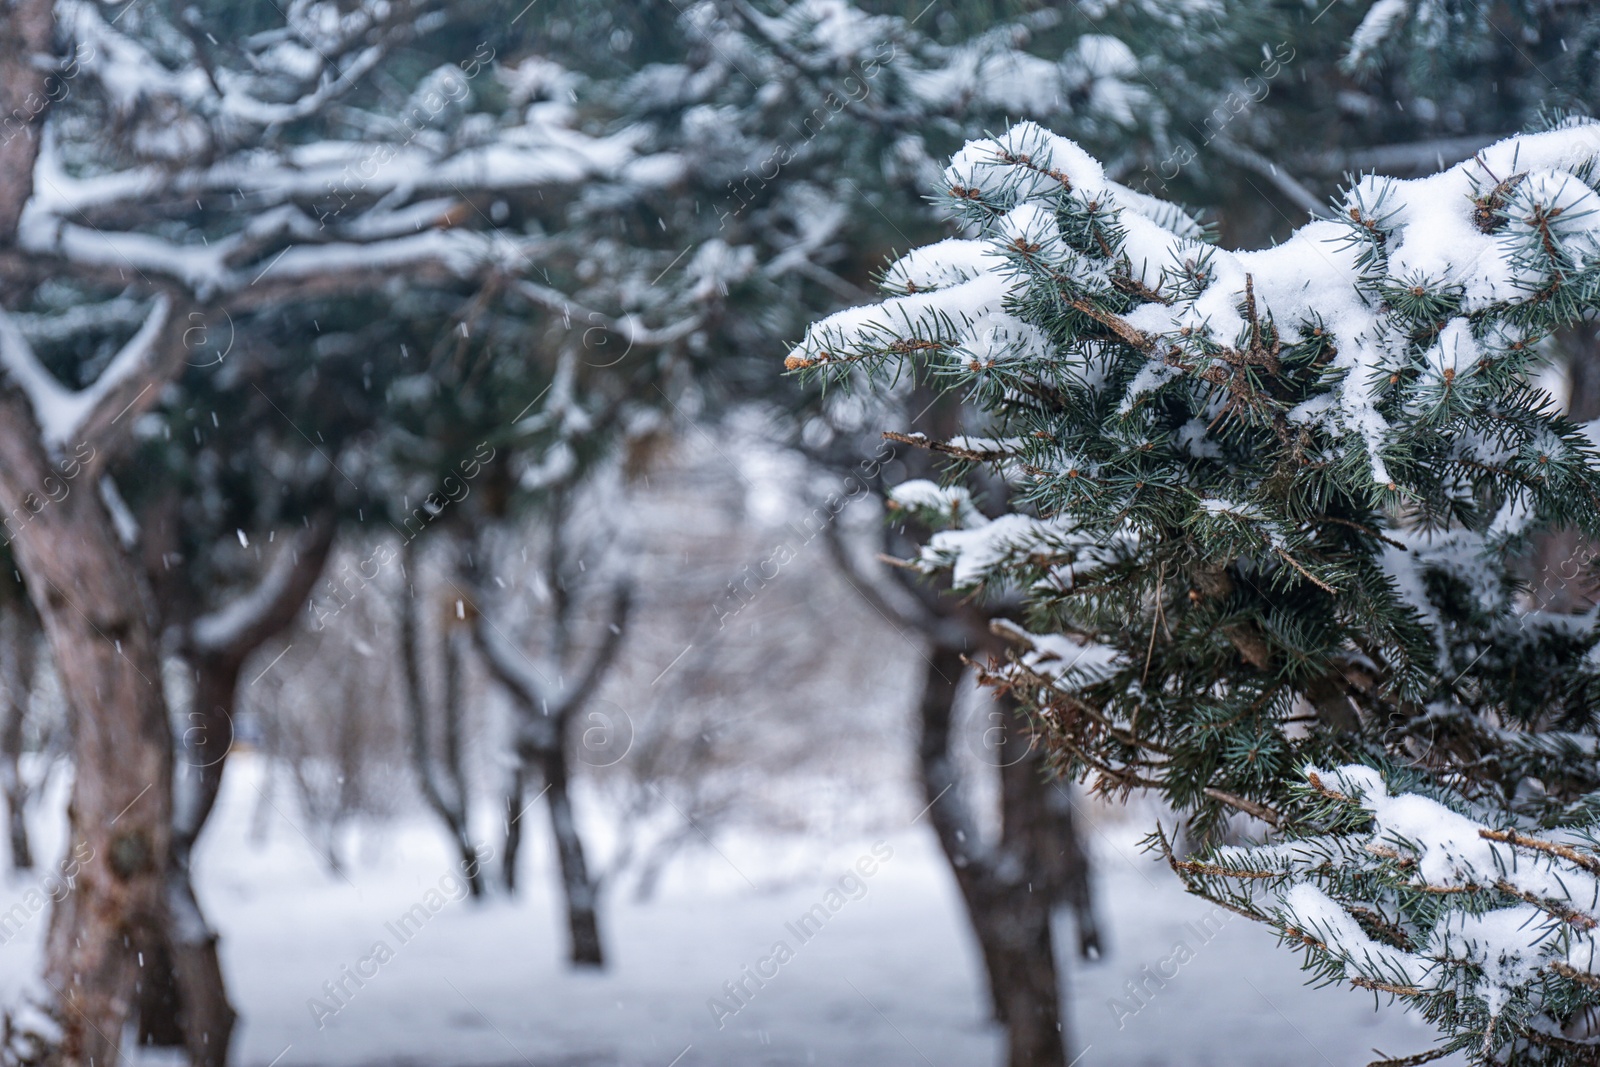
[{"x": 888, "y": 980}]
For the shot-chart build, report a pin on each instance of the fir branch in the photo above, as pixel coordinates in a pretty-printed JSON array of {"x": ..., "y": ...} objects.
[
  {"x": 1312, "y": 578},
  {"x": 972, "y": 455},
  {"x": 1336, "y": 503},
  {"x": 1249, "y": 807},
  {"x": 1413, "y": 1060},
  {"x": 1566, "y": 852},
  {"x": 1572, "y": 974},
  {"x": 1116, "y": 324}
]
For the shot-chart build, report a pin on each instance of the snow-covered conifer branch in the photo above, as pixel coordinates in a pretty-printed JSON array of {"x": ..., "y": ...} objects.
[
  {"x": 1256, "y": 490},
  {"x": 1489, "y": 930}
]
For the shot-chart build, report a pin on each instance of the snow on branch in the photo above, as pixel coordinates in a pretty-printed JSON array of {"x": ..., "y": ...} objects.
[
  {"x": 627, "y": 326},
  {"x": 1263, "y": 509},
  {"x": 513, "y": 667},
  {"x": 1522, "y": 945},
  {"x": 330, "y": 61},
  {"x": 244, "y": 622},
  {"x": 194, "y": 191},
  {"x": 1485, "y": 241},
  {"x": 61, "y": 412}
]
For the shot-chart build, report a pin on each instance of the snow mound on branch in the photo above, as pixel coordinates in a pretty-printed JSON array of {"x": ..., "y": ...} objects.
[
  {"x": 1027, "y": 162},
  {"x": 1064, "y": 658},
  {"x": 1311, "y": 911},
  {"x": 1444, "y": 852},
  {"x": 939, "y": 266},
  {"x": 950, "y": 503},
  {"x": 1465, "y": 231}
]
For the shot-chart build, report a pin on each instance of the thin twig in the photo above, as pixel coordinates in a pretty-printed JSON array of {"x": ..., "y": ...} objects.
[
  {"x": 1566, "y": 852},
  {"x": 1318, "y": 582},
  {"x": 1249, "y": 807}
]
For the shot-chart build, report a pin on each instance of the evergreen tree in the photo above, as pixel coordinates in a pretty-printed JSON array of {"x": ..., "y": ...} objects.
[{"x": 1264, "y": 512}]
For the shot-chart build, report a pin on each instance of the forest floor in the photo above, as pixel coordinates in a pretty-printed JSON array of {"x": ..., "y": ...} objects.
[{"x": 890, "y": 980}]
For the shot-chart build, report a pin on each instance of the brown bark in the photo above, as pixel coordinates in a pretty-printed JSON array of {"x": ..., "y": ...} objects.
[
  {"x": 26, "y": 31},
  {"x": 119, "y": 820},
  {"x": 1007, "y": 888},
  {"x": 183, "y": 1000},
  {"x": 26, "y": 28},
  {"x": 94, "y": 615}
]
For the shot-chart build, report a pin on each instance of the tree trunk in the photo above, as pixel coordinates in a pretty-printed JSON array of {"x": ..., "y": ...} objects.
[
  {"x": 17, "y": 633},
  {"x": 119, "y": 819},
  {"x": 1013, "y": 925},
  {"x": 655, "y": 865},
  {"x": 513, "y": 838},
  {"x": 1065, "y": 860},
  {"x": 1039, "y": 833},
  {"x": 544, "y": 722},
  {"x": 83, "y": 586},
  {"x": 205, "y": 1015},
  {"x": 1009, "y": 915},
  {"x": 183, "y": 1000},
  {"x": 452, "y": 809},
  {"x": 1562, "y": 561},
  {"x": 26, "y": 31},
  {"x": 456, "y": 637},
  {"x": 583, "y": 924}
]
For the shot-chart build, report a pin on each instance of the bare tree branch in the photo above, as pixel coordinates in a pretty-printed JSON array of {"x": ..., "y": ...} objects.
[
  {"x": 246, "y": 622},
  {"x": 63, "y": 414},
  {"x": 604, "y": 654},
  {"x": 1287, "y": 184},
  {"x": 509, "y": 664}
]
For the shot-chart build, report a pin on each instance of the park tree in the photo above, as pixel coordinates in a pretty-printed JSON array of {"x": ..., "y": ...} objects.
[
  {"x": 1264, "y": 515},
  {"x": 209, "y": 164}
]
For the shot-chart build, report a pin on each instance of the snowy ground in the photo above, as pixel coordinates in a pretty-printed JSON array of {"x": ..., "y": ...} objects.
[{"x": 890, "y": 979}]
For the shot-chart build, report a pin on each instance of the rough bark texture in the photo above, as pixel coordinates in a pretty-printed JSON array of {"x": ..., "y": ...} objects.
[
  {"x": 84, "y": 588},
  {"x": 119, "y": 819},
  {"x": 26, "y": 31},
  {"x": 1010, "y": 914}
]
